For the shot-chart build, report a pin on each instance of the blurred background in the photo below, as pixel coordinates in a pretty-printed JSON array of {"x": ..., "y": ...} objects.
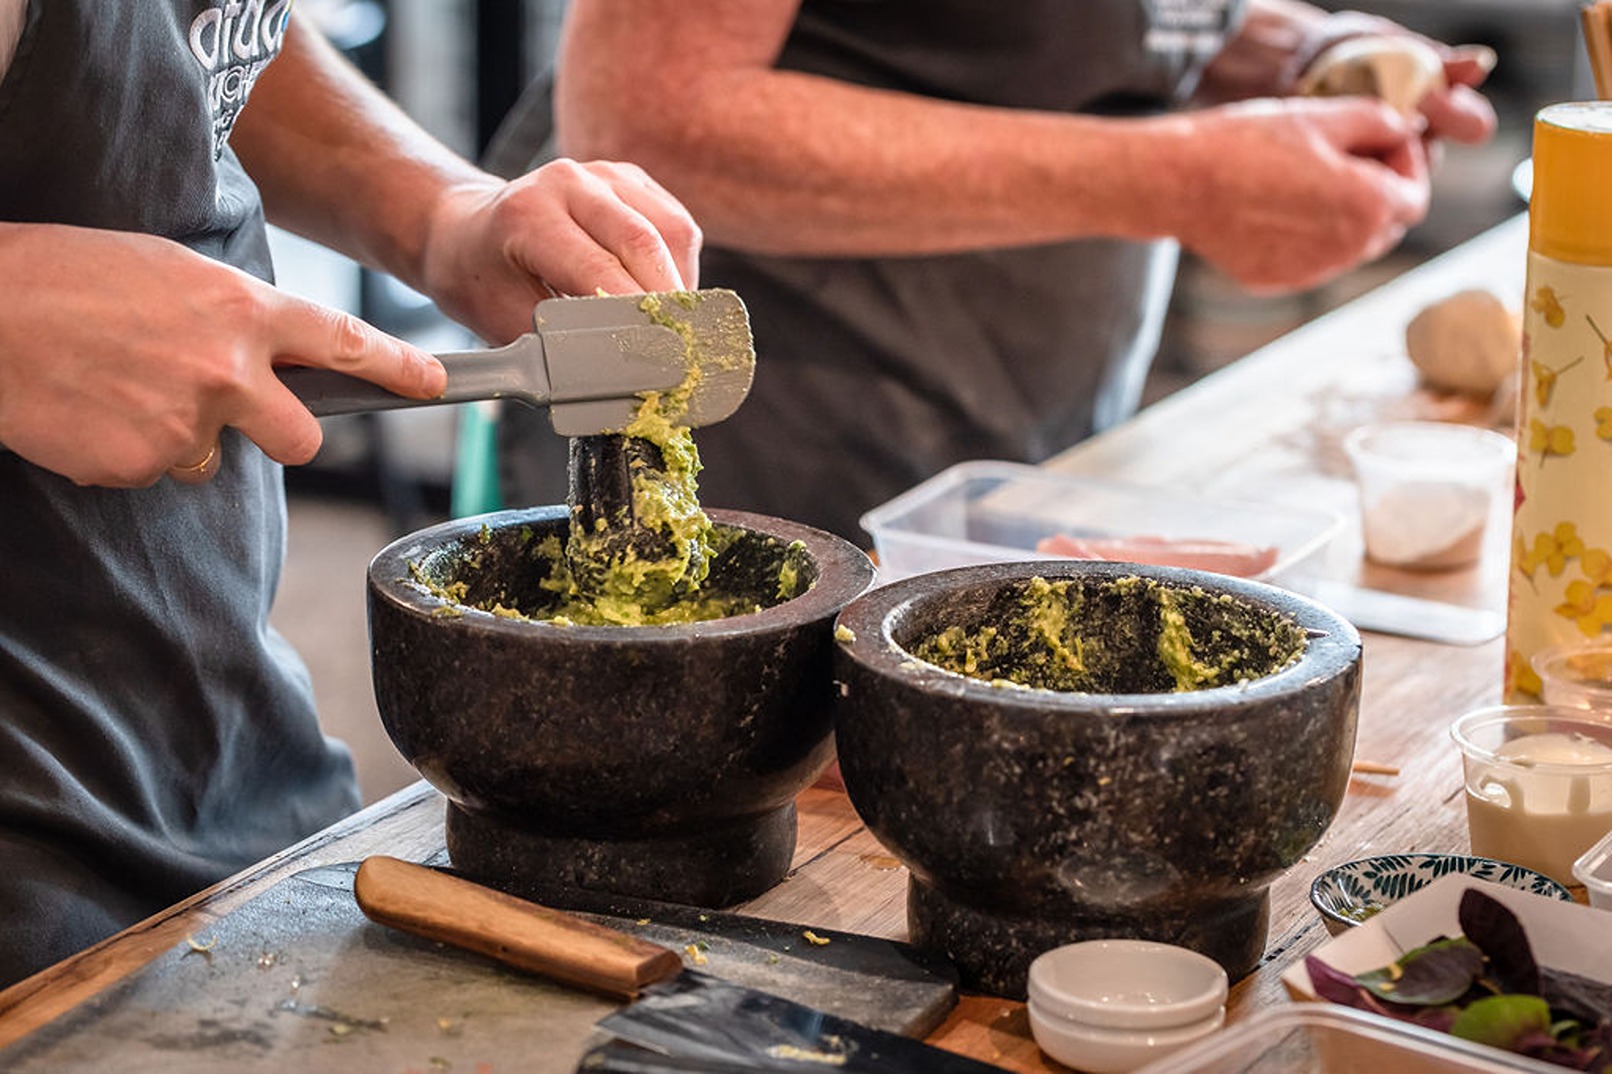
[{"x": 458, "y": 66}]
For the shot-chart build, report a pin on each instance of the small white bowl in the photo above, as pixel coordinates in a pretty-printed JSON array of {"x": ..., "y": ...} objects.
[
  {"x": 1100, "y": 1050},
  {"x": 1127, "y": 984}
]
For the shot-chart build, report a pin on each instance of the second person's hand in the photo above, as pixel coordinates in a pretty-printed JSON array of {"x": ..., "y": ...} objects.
[
  {"x": 497, "y": 248},
  {"x": 1285, "y": 194}
]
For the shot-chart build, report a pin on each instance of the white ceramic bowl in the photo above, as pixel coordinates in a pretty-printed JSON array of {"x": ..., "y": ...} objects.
[
  {"x": 1127, "y": 984},
  {"x": 1100, "y": 1050}
]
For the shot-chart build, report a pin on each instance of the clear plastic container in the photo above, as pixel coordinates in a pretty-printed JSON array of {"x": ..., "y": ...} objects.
[
  {"x": 1594, "y": 871},
  {"x": 1577, "y": 674},
  {"x": 986, "y": 512},
  {"x": 1538, "y": 784},
  {"x": 1316, "y": 1038},
  {"x": 1428, "y": 490}
]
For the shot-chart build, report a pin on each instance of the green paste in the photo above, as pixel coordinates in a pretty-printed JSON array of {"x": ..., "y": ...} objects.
[
  {"x": 599, "y": 575},
  {"x": 610, "y": 578},
  {"x": 1125, "y": 635},
  {"x": 521, "y": 572}
]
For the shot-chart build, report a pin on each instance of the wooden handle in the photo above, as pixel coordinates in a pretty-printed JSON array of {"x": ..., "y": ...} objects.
[{"x": 516, "y": 932}]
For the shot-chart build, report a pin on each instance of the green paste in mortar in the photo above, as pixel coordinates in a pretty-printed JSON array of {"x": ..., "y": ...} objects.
[
  {"x": 596, "y": 577},
  {"x": 608, "y": 578},
  {"x": 1125, "y": 635}
]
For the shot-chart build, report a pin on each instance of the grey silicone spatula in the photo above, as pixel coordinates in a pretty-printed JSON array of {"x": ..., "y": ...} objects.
[{"x": 588, "y": 360}]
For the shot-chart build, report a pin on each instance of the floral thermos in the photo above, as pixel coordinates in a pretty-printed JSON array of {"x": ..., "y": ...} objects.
[{"x": 1560, "y": 585}]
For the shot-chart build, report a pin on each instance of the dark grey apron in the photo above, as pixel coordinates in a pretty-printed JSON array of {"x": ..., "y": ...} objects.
[{"x": 155, "y": 734}]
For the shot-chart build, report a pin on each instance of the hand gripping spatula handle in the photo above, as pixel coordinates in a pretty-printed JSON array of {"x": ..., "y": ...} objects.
[
  {"x": 588, "y": 360},
  {"x": 675, "y": 1011}
]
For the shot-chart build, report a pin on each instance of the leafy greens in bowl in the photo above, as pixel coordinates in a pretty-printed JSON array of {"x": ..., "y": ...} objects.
[{"x": 1484, "y": 985}]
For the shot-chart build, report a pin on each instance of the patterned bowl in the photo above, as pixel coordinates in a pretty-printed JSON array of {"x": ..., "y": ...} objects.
[{"x": 1347, "y": 894}]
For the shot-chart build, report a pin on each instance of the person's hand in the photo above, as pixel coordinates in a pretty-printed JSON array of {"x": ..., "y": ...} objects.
[
  {"x": 1281, "y": 40},
  {"x": 122, "y": 357},
  {"x": 1455, "y": 111},
  {"x": 1283, "y": 195},
  {"x": 567, "y": 228},
  {"x": 1459, "y": 112}
]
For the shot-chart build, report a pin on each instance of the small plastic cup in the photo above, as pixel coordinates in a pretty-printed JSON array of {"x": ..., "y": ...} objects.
[
  {"x": 1594, "y": 872},
  {"x": 1538, "y": 781},
  {"x": 1428, "y": 490},
  {"x": 1577, "y": 674}
]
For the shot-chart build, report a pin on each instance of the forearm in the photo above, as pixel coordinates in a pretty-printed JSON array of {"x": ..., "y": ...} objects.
[
  {"x": 338, "y": 162},
  {"x": 787, "y": 163}
]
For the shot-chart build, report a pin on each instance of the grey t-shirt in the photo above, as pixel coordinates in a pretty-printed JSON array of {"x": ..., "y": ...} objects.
[
  {"x": 875, "y": 373},
  {"x": 157, "y": 734}
]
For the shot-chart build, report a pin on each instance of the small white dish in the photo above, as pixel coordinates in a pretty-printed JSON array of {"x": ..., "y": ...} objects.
[
  {"x": 1127, "y": 984},
  {"x": 1099, "y": 1050},
  {"x": 1107, "y": 1006}
]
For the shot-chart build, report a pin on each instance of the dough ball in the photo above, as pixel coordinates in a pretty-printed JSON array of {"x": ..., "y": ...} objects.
[
  {"x": 1469, "y": 342},
  {"x": 1398, "y": 70}
]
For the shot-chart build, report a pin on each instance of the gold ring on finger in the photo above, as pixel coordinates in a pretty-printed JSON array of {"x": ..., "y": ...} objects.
[{"x": 198, "y": 471}]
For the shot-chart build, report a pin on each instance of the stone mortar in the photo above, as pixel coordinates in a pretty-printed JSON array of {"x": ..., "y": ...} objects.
[
  {"x": 1031, "y": 818},
  {"x": 659, "y": 762}
]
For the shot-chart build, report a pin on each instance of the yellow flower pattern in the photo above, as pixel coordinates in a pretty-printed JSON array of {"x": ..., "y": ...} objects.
[
  {"x": 1549, "y": 307},
  {"x": 1561, "y": 547},
  {"x": 1587, "y": 600},
  {"x": 1545, "y": 378},
  {"x": 1596, "y": 564},
  {"x": 1552, "y": 549},
  {"x": 1521, "y": 674},
  {"x": 1546, "y": 440},
  {"x": 1606, "y": 345}
]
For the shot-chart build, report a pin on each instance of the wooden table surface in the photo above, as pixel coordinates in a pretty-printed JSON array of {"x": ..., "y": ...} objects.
[{"x": 1264, "y": 428}]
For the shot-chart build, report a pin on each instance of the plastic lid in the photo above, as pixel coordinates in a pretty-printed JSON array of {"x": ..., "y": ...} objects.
[{"x": 1571, "y": 210}]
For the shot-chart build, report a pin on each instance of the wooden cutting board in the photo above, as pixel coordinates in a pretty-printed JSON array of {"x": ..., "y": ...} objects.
[{"x": 298, "y": 979}]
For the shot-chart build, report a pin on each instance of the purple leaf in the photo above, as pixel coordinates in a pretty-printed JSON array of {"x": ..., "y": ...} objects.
[
  {"x": 1495, "y": 929},
  {"x": 1335, "y": 986},
  {"x": 1588, "y": 1001}
]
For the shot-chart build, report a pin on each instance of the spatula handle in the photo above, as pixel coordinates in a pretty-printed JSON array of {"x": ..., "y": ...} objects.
[
  {"x": 514, "y": 371},
  {"x": 516, "y": 932}
]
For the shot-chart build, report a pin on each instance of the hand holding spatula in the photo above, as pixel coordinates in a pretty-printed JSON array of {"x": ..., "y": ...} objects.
[{"x": 588, "y": 360}]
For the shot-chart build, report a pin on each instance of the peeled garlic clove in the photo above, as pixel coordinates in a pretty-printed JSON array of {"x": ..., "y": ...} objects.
[
  {"x": 1469, "y": 342},
  {"x": 1398, "y": 70}
]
